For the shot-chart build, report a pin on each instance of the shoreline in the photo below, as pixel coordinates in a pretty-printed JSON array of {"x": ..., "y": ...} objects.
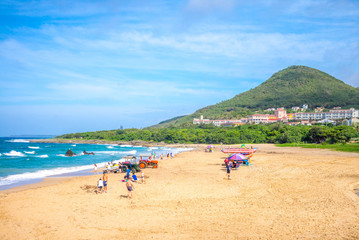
[{"x": 44, "y": 181}]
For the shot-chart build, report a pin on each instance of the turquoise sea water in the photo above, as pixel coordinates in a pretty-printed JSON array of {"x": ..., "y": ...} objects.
[{"x": 23, "y": 162}]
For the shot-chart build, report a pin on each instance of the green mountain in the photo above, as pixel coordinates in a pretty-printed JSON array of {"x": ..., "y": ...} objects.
[{"x": 293, "y": 86}]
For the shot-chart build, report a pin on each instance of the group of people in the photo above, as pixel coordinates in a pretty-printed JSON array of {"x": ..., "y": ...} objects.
[
  {"x": 109, "y": 166},
  {"x": 169, "y": 155},
  {"x": 103, "y": 182}
]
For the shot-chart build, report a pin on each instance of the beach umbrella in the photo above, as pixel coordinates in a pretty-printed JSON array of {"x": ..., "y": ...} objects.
[
  {"x": 210, "y": 146},
  {"x": 237, "y": 156}
]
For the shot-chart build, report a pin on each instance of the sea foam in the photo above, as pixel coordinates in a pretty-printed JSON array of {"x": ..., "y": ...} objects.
[
  {"x": 29, "y": 152},
  {"x": 13, "y": 153},
  {"x": 43, "y": 156},
  {"x": 18, "y": 140},
  {"x": 33, "y": 147},
  {"x": 39, "y": 174},
  {"x": 45, "y": 173}
]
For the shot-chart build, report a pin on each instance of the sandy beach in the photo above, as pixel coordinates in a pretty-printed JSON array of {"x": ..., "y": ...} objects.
[{"x": 287, "y": 193}]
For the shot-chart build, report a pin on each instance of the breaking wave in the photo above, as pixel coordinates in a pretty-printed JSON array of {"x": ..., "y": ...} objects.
[
  {"x": 13, "y": 153},
  {"x": 18, "y": 140},
  {"x": 29, "y": 152}
]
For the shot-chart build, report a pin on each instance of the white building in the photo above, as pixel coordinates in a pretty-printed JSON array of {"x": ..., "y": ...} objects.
[
  {"x": 309, "y": 116},
  {"x": 332, "y": 114},
  {"x": 219, "y": 122},
  {"x": 258, "y": 118},
  {"x": 342, "y": 114}
]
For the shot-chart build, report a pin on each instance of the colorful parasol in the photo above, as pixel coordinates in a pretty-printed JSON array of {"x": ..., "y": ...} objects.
[{"x": 237, "y": 156}]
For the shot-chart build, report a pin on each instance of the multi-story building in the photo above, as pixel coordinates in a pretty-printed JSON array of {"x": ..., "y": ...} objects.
[
  {"x": 290, "y": 116},
  {"x": 220, "y": 122},
  {"x": 342, "y": 114},
  {"x": 234, "y": 123},
  {"x": 258, "y": 118},
  {"x": 308, "y": 116},
  {"x": 332, "y": 114},
  {"x": 280, "y": 113}
]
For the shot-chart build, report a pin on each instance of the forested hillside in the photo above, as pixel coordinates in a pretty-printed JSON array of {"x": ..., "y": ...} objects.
[{"x": 293, "y": 86}]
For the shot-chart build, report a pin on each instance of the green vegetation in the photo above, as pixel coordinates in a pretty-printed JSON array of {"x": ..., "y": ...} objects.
[
  {"x": 348, "y": 147},
  {"x": 172, "y": 119},
  {"x": 189, "y": 133},
  {"x": 293, "y": 86}
]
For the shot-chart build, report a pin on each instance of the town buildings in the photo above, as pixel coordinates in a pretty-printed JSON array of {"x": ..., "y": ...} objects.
[{"x": 281, "y": 115}]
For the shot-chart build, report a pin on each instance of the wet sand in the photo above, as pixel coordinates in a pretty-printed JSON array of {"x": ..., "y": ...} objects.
[{"x": 287, "y": 193}]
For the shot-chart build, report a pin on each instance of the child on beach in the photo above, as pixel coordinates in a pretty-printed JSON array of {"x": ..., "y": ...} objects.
[
  {"x": 130, "y": 188},
  {"x": 105, "y": 181},
  {"x": 142, "y": 177},
  {"x": 99, "y": 186},
  {"x": 134, "y": 178}
]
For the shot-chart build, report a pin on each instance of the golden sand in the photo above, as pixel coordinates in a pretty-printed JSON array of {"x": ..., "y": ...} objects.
[{"x": 287, "y": 193}]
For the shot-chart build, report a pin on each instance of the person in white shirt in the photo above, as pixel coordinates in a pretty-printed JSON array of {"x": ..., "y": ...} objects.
[{"x": 99, "y": 186}]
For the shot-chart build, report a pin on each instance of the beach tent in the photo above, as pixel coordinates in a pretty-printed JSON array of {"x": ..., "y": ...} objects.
[{"x": 210, "y": 148}]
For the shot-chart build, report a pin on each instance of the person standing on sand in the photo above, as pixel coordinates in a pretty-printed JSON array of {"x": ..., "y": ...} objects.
[
  {"x": 95, "y": 169},
  {"x": 142, "y": 177},
  {"x": 130, "y": 188},
  {"x": 128, "y": 171},
  {"x": 99, "y": 186},
  {"x": 105, "y": 181},
  {"x": 229, "y": 166}
]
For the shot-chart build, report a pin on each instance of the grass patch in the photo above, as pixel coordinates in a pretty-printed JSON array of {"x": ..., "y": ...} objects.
[{"x": 348, "y": 147}]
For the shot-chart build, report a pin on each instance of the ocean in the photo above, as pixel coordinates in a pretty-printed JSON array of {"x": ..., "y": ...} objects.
[{"x": 23, "y": 162}]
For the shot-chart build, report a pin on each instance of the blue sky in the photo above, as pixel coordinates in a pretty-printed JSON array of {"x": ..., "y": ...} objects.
[{"x": 75, "y": 66}]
